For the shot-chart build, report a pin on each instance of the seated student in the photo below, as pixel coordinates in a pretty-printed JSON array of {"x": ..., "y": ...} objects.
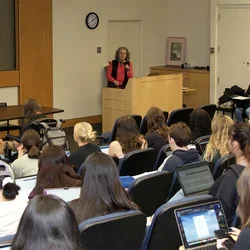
[
  {"x": 224, "y": 188},
  {"x": 179, "y": 136},
  {"x": 128, "y": 138},
  {"x": 47, "y": 223},
  {"x": 11, "y": 206},
  {"x": 83, "y": 136},
  {"x": 28, "y": 153},
  {"x": 243, "y": 188},
  {"x": 199, "y": 123},
  {"x": 217, "y": 146},
  {"x": 157, "y": 135},
  {"x": 54, "y": 171},
  {"x": 101, "y": 191},
  {"x": 32, "y": 112}
]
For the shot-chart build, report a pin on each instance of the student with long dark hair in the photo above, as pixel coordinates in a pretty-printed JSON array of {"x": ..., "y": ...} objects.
[
  {"x": 11, "y": 208},
  {"x": 243, "y": 188},
  {"x": 224, "y": 188},
  {"x": 128, "y": 138},
  {"x": 28, "y": 153},
  {"x": 101, "y": 191},
  {"x": 47, "y": 223},
  {"x": 157, "y": 135},
  {"x": 54, "y": 171}
]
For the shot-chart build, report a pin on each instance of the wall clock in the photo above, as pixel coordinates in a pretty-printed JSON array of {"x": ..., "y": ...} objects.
[{"x": 92, "y": 20}]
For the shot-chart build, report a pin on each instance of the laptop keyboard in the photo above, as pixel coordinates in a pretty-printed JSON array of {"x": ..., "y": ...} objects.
[{"x": 212, "y": 247}]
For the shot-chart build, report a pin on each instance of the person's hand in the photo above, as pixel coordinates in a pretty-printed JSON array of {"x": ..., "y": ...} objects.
[
  {"x": 235, "y": 231},
  {"x": 116, "y": 83},
  {"x": 20, "y": 150},
  {"x": 220, "y": 243},
  {"x": 127, "y": 67}
]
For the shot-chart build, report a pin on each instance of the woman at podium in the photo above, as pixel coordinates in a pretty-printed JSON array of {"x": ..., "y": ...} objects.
[{"x": 120, "y": 69}]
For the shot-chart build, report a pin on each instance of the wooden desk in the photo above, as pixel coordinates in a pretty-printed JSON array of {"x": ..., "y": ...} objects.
[
  {"x": 193, "y": 79},
  {"x": 15, "y": 112}
]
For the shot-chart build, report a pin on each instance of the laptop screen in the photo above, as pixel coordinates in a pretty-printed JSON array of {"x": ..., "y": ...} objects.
[
  {"x": 198, "y": 223},
  {"x": 66, "y": 194},
  {"x": 195, "y": 177},
  {"x": 26, "y": 185},
  {"x": 105, "y": 149}
]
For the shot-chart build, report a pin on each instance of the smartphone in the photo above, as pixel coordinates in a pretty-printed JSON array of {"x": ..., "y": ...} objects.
[{"x": 223, "y": 233}]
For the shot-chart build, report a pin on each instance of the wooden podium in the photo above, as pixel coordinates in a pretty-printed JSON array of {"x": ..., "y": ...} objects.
[{"x": 163, "y": 91}]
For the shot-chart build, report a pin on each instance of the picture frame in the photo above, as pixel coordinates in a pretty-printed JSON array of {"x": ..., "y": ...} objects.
[{"x": 176, "y": 51}]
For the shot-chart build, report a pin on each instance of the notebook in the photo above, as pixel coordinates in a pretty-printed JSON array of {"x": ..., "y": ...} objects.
[
  {"x": 195, "y": 178},
  {"x": 67, "y": 193},
  {"x": 197, "y": 224},
  {"x": 26, "y": 185}
]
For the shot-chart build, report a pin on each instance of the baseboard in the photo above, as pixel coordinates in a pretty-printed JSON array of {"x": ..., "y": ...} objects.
[{"x": 90, "y": 119}]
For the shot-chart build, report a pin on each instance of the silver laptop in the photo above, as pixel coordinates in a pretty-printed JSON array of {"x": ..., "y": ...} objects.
[
  {"x": 197, "y": 224},
  {"x": 195, "y": 178},
  {"x": 67, "y": 193},
  {"x": 105, "y": 149},
  {"x": 26, "y": 185}
]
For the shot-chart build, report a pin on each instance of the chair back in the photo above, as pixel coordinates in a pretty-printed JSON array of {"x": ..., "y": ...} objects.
[
  {"x": 120, "y": 231},
  {"x": 151, "y": 191},
  {"x": 201, "y": 143},
  {"x": 163, "y": 233},
  {"x": 210, "y": 108},
  {"x": 179, "y": 115},
  {"x": 162, "y": 156},
  {"x": 222, "y": 164},
  {"x": 144, "y": 125},
  {"x": 138, "y": 162}
]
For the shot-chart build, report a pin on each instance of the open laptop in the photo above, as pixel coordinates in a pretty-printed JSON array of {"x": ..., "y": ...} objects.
[
  {"x": 67, "y": 193},
  {"x": 197, "y": 224},
  {"x": 26, "y": 185},
  {"x": 195, "y": 178},
  {"x": 105, "y": 148}
]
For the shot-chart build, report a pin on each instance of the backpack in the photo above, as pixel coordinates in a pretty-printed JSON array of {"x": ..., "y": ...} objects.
[{"x": 51, "y": 133}]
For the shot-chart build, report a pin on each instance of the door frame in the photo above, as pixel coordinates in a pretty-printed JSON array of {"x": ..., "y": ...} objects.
[
  {"x": 140, "y": 38},
  {"x": 215, "y": 7}
]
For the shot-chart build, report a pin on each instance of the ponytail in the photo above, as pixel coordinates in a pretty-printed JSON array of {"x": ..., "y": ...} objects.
[
  {"x": 10, "y": 191},
  {"x": 34, "y": 152}
]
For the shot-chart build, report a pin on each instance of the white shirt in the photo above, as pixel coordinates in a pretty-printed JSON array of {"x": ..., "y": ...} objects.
[
  {"x": 10, "y": 215},
  {"x": 24, "y": 166}
]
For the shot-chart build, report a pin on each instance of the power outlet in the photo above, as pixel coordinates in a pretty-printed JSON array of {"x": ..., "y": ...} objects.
[{"x": 99, "y": 50}]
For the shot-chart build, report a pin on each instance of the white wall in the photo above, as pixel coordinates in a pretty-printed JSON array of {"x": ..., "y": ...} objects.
[
  {"x": 77, "y": 73},
  {"x": 191, "y": 19}
]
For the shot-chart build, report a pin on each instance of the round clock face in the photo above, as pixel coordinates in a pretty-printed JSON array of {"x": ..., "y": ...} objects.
[{"x": 92, "y": 20}]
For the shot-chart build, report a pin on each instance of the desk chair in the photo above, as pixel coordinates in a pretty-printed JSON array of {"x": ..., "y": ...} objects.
[
  {"x": 7, "y": 126},
  {"x": 179, "y": 115},
  {"x": 138, "y": 162},
  {"x": 201, "y": 143},
  {"x": 223, "y": 163},
  {"x": 151, "y": 191},
  {"x": 210, "y": 108},
  {"x": 162, "y": 155},
  {"x": 119, "y": 231},
  {"x": 163, "y": 232},
  {"x": 108, "y": 137}
]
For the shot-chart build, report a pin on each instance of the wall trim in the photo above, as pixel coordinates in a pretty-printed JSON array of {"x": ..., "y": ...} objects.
[{"x": 90, "y": 119}]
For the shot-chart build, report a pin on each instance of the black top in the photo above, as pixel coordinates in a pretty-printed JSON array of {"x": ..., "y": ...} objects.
[
  {"x": 243, "y": 241},
  {"x": 224, "y": 189},
  {"x": 181, "y": 157},
  {"x": 155, "y": 141},
  {"x": 78, "y": 158}
]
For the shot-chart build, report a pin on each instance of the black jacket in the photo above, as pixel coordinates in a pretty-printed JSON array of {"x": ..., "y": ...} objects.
[
  {"x": 224, "y": 189},
  {"x": 181, "y": 157}
]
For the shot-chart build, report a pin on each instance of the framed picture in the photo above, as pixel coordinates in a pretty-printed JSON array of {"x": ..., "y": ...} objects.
[{"x": 176, "y": 51}]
